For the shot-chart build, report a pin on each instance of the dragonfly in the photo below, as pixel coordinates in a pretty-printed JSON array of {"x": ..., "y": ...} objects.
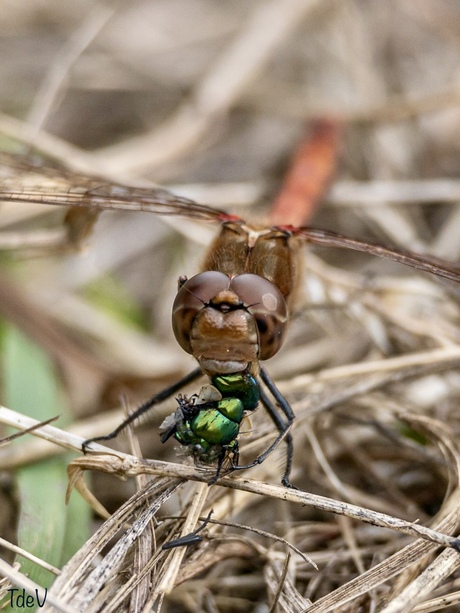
[{"x": 231, "y": 316}]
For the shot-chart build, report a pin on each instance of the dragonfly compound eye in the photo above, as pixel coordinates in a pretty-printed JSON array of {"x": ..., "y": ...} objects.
[
  {"x": 192, "y": 297},
  {"x": 266, "y": 304}
]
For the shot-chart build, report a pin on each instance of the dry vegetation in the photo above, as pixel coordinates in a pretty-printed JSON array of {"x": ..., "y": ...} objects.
[{"x": 210, "y": 98}]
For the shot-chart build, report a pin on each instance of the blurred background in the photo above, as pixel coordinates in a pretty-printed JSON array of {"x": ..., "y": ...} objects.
[{"x": 210, "y": 99}]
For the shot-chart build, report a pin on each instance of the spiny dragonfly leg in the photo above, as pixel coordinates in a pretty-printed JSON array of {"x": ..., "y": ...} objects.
[
  {"x": 282, "y": 426},
  {"x": 157, "y": 399},
  {"x": 189, "y": 539}
]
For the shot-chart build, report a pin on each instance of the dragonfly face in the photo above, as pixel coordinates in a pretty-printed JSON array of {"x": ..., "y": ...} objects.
[{"x": 229, "y": 323}]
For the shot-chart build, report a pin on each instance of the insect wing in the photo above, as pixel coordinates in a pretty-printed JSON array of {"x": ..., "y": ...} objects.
[
  {"x": 23, "y": 181},
  {"x": 325, "y": 238}
]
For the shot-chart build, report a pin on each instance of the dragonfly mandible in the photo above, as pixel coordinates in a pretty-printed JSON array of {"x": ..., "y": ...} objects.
[{"x": 230, "y": 316}]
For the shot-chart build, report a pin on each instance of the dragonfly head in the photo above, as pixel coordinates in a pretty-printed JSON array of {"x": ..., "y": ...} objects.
[{"x": 229, "y": 323}]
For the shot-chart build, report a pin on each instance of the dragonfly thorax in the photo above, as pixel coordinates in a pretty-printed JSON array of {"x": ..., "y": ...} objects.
[{"x": 229, "y": 324}]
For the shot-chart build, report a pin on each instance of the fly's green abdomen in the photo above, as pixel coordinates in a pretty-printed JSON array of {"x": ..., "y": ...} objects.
[
  {"x": 214, "y": 427},
  {"x": 233, "y": 408}
]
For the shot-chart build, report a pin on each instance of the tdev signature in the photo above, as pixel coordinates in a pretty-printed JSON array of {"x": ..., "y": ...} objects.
[{"x": 21, "y": 600}]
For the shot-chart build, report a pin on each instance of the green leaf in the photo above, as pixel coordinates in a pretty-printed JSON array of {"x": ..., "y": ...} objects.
[{"x": 46, "y": 527}]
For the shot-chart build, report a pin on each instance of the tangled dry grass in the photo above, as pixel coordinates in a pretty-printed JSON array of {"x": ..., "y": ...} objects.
[{"x": 209, "y": 100}]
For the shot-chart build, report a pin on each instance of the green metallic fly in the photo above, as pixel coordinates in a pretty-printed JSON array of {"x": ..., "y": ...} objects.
[{"x": 208, "y": 423}]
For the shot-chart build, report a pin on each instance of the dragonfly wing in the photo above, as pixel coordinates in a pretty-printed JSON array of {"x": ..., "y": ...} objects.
[
  {"x": 432, "y": 265},
  {"x": 23, "y": 181}
]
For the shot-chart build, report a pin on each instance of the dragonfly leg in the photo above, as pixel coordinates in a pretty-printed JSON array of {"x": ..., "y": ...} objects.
[
  {"x": 282, "y": 425},
  {"x": 146, "y": 406},
  {"x": 189, "y": 539}
]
